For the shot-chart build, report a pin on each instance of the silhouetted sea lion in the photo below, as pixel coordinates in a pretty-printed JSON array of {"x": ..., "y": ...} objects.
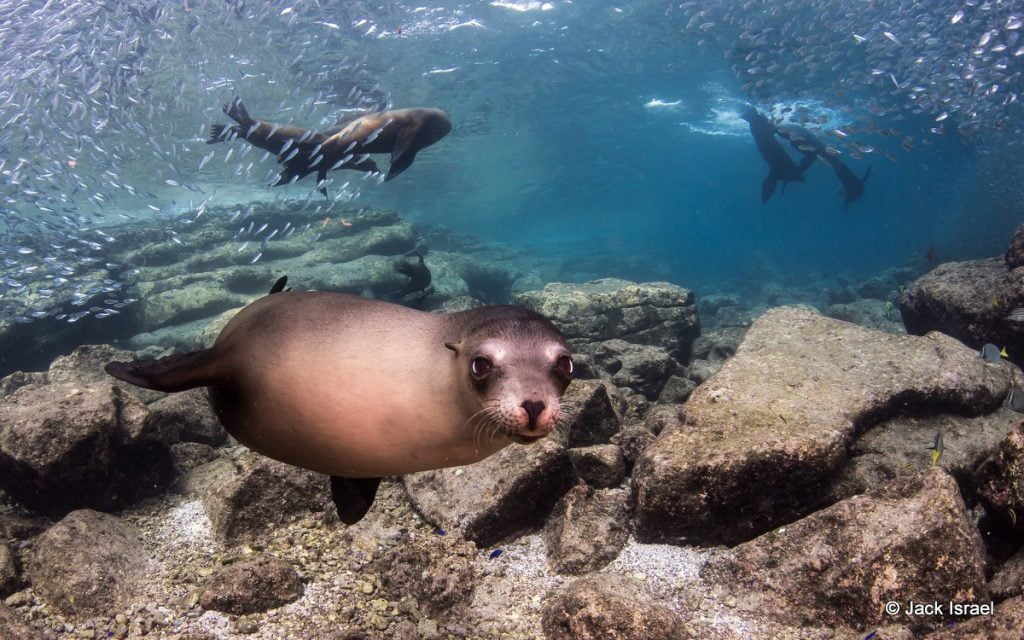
[
  {"x": 360, "y": 389},
  {"x": 804, "y": 141},
  {"x": 402, "y": 133},
  {"x": 780, "y": 165}
]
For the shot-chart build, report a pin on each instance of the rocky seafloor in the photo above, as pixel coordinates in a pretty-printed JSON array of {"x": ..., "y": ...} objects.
[{"x": 734, "y": 467}]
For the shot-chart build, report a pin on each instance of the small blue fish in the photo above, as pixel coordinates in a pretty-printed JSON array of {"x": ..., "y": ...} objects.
[
  {"x": 440, "y": 532},
  {"x": 494, "y": 554}
]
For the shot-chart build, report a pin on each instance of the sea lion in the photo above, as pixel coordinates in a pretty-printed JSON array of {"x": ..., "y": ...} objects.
[
  {"x": 360, "y": 389},
  {"x": 808, "y": 144},
  {"x": 402, "y": 133},
  {"x": 780, "y": 165},
  {"x": 419, "y": 277}
]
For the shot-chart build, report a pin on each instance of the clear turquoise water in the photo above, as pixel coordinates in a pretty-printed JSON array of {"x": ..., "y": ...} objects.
[{"x": 601, "y": 132}]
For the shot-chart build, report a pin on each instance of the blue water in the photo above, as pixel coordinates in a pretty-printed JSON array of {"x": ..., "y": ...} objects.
[{"x": 602, "y": 133}]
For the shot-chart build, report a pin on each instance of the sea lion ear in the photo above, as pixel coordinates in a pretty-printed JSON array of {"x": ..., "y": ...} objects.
[{"x": 453, "y": 346}]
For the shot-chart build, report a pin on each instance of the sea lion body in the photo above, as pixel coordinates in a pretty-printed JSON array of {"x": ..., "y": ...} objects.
[
  {"x": 360, "y": 389},
  {"x": 401, "y": 132},
  {"x": 318, "y": 396},
  {"x": 780, "y": 165}
]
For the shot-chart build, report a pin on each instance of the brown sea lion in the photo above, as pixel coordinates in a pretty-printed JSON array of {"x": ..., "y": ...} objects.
[
  {"x": 360, "y": 389},
  {"x": 402, "y": 133}
]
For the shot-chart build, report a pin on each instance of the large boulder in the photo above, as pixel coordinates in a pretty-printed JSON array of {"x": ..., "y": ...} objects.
[
  {"x": 436, "y": 570},
  {"x": 969, "y": 301},
  {"x": 88, "y": 564},
  {"x": 64, "y": 447},
  {"x": 654, "y": 313},
  {"x": 910, "y": 541},
  {"x": 607, "y": 605},
  {"x": 764, "y": 435},
  {"x": 1000, "y": 480},
  {"x": 500, "y": 497}
]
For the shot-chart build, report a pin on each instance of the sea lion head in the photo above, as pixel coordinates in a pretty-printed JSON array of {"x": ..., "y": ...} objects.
[
  {"x": 435, "y": 125},
  {"x": 517, "y": 365}
]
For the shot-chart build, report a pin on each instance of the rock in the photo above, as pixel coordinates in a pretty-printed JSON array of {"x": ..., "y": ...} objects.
[
  {"x": 65, "y": 447},
  {"x": 593, "y": 415},
  {"x": 189, "y": 455},
  {"x": 632, "y": 440},
  {"x": 21, "y": 527},
  {"x": 19, "y": 379},
  {"x": 600, "y": 465},
  {"x": 186, "y": 417},
  {"x": 676, "y": 390},
  {"x": 912, "y": 540},
  {"x": 642, "y": 368},
  {"x": 718, "y": 344},
  {"x": 213, "y": 326},
  {"x": 503, "y": 496},
  {"x": 763, "y": 436},
  {"x": 1004, "y": 624},
  {"x": 870, "y": 313},
  {"x": 437, "y": 571},
  {"x": 898, "y": 446},
  {"x": 10, "y": 571},
  {"x": 88, "y": 564},
  {"x": 587, "y": 529},
  {"x": 12, "y": 627},
  {"x": 1000, "y": 480},
  {"x": 249, "y": 586},
  {"x": 1014, "y": 256},
  {"x": 83, "y": 367},
  {"x": 605, "y": 605},
  {"x": 969, "y": 301},
  {"x": 259, "y": 493},
  {"x": 654, "y": 313},
  {"x": 661, "y": 417},
  {"x": 1008, "y": 581}
]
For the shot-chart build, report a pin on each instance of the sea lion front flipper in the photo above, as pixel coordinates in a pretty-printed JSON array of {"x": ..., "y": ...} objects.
[
  {"x": 176, "y": 372},
  {"x": 806, "y": 163},
  {"x": 279, "y": 285},
  {"x": 353, "y": 497},
  {"x": 403, "y": 152}
]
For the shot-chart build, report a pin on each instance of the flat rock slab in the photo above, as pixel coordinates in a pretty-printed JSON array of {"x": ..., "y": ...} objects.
[
  {"x": 655, "y": 313},
  {"x": 500, "y": 497},
  {"x": 88, "y": 564},
  {"x": 969, "y": 301},
  {"x": 607, "y": 605},
  {"x": 765, "y": 433},
  {"x": 910, "y": 541},
  {"x": 259, "y": 584}
]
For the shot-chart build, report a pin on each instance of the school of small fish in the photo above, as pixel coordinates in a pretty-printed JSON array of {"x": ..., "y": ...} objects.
[{"x": 105, "y": 104}]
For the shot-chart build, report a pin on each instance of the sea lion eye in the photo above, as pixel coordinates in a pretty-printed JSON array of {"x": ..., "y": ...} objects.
[
  {"x": 564, "y": 365},
  {"x": 480, "y": 367}
]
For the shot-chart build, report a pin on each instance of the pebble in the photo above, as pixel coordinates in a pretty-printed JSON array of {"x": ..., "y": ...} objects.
[{"x": 245, "y": 625}]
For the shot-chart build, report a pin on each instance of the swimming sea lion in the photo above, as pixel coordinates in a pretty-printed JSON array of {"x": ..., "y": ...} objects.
[
  {"x": 402, "y": 133},
  {"x": 780, "y": 165},
  {"x": 360, "y": 389},
  {"x": 808, "y": 144}
]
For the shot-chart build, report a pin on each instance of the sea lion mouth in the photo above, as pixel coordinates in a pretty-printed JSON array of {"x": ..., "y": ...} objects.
[{"x": 524, "y": 439}]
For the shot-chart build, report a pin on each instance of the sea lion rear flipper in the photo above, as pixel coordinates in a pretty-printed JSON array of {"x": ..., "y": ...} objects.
[
  {"x": 768, "y": 187},
  {"x": 176, "y": 372},
  {"x": 403, "y": 152},
  {"x": 237, "y": 112},
  {"x": 353, "y": 497}
]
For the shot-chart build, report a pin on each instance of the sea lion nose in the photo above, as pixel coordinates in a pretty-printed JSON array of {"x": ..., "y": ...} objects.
[{"x": 533, "y": 409}]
